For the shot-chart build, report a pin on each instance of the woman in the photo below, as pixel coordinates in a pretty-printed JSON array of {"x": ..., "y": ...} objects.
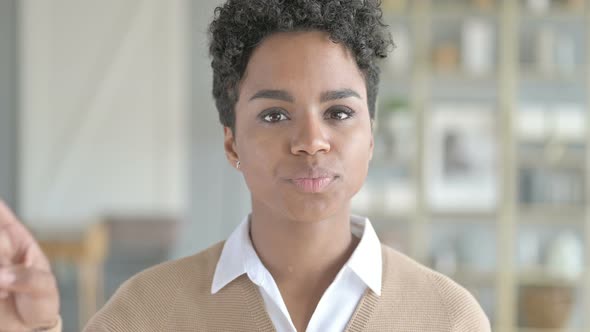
[{"x": 295, "y": 84}]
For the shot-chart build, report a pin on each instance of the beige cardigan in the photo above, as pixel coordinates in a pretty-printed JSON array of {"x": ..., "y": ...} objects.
[{"x": 176, "y": 296}]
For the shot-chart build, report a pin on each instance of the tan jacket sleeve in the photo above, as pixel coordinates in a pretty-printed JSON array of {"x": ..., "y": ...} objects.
[{"x": 466, "y": 313}]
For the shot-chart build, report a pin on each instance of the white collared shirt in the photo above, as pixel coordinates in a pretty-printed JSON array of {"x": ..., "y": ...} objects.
[{"x": 340, "y": 299}]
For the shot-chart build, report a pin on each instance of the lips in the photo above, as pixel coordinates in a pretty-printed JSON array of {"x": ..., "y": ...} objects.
[
  {"x": 313, "y": 180},
  {"x": 312, "y": 185}
]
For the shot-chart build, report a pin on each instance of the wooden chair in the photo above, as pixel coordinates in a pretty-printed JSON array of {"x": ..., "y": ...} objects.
[{"x": 87, "y": 249}]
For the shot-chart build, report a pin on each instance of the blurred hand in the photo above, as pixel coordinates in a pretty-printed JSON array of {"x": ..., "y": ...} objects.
[{"x": 28, "y": 291}]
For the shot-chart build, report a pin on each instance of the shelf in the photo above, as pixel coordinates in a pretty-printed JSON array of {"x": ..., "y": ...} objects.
[
  {"x": 549, "y": 156},
  {"x": 461, "y": 13},
  {"x": 554, "y": 215},
  {"x": 555, "y": 14},
  {"x": 476, "y": 217},
  {"x": 464, "y": 215},
  {"x": 538, "y": 276},
  {"x": 472, "y": 277},
  {"x": 574, "y": 163},
  {"x": 531, "y": 329},
  {"x": 535, "y": 160},
  {"x": 458, "y": 76},
  {"x": 527, "y": 73},
  {"x": 398, "y": 215}
]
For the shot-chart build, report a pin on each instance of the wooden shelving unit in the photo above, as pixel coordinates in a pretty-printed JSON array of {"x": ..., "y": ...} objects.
[{"x": 422, "y": 85}]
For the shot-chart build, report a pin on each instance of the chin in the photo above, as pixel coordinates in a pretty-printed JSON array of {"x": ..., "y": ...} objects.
[{"x": 311, "y": 212}]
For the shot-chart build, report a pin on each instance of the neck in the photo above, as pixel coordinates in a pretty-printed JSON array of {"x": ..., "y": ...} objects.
[{"x": 302, "y": 252}]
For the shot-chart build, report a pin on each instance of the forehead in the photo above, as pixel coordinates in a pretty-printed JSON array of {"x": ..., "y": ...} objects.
[{"x": 302, "y": 62}]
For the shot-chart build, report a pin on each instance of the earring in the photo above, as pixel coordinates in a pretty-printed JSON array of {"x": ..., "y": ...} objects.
[{"x": 238, "y": 164}]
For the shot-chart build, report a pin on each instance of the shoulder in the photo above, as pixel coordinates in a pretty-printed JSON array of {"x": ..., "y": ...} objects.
[
  {"x": 436, "y": 291},
  {"x": 143, "y": 302},
  {"x": 172, "y": 274}
]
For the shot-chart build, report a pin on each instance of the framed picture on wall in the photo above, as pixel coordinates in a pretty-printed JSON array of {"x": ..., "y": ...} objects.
[{"x": 461, "y": 158}]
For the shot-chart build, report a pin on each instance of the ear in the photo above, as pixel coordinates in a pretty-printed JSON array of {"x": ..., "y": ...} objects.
[{"x": 229, "y": 145}]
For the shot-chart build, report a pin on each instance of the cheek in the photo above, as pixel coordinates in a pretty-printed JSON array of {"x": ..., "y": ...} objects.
[
  {"x": 262, "y": 148},
  {"x": 258, "y": 155},
  {"x": 356, "y": 156}
]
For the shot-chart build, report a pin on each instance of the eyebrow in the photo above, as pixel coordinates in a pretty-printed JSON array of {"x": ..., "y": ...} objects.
[
  {"x": 338, "y": 94},
  {"x": 286, "y": 96}
]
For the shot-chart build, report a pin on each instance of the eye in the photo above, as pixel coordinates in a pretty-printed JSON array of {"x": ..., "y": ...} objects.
[
  {"x": 274, "y": 116},
  {"x": 340, "y": 113}
]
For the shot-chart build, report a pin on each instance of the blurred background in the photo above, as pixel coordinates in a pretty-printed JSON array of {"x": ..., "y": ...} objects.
[{"x": 111, "y": 151}]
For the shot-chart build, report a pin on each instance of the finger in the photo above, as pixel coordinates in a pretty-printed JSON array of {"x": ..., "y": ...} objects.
[
  {"x": 9, "y": 317},
  {"x": 6, "y": 215},
  {"x": 6, "y": 248},
  {"x": 35, "y": 258},
  {"x": 8, "y": 224},
  {"x": 22, "y": 280},
  {"x": 26, "y": 313},
  {"x": 17, "y": 245}
]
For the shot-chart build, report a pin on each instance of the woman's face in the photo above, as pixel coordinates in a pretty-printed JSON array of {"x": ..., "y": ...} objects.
[{"x": 303, "y": 132}]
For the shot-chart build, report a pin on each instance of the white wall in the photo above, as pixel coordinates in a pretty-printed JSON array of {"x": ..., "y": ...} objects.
[
  {"x": 102, "y": 125},
  {"x": 8, "y": 102},
  {"x": 218, "y": 198}
]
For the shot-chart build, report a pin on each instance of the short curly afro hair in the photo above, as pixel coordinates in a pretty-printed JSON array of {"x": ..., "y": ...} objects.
[{"x": 240, "y": 25}]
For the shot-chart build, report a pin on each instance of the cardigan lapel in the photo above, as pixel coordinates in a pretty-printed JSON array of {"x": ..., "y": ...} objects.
[
  {"x": 255, "y": 305},
  {"x": 364, "y": 310},
  {"x": 360, "y": 319}
]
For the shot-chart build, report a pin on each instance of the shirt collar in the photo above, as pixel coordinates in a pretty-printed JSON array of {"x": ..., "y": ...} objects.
[
  {"x": 238, "y": 257},
  {"x": 238, "y": 253},
  {"x": 366, "y": 260}
]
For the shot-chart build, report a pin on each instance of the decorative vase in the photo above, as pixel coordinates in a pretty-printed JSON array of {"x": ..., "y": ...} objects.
[
  {"x": 477, "y": 49},
  {"x": 565, "y": 257}
]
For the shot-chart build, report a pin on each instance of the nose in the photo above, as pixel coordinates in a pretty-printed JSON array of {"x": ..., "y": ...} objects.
[{"x": 310, "y": 137}]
